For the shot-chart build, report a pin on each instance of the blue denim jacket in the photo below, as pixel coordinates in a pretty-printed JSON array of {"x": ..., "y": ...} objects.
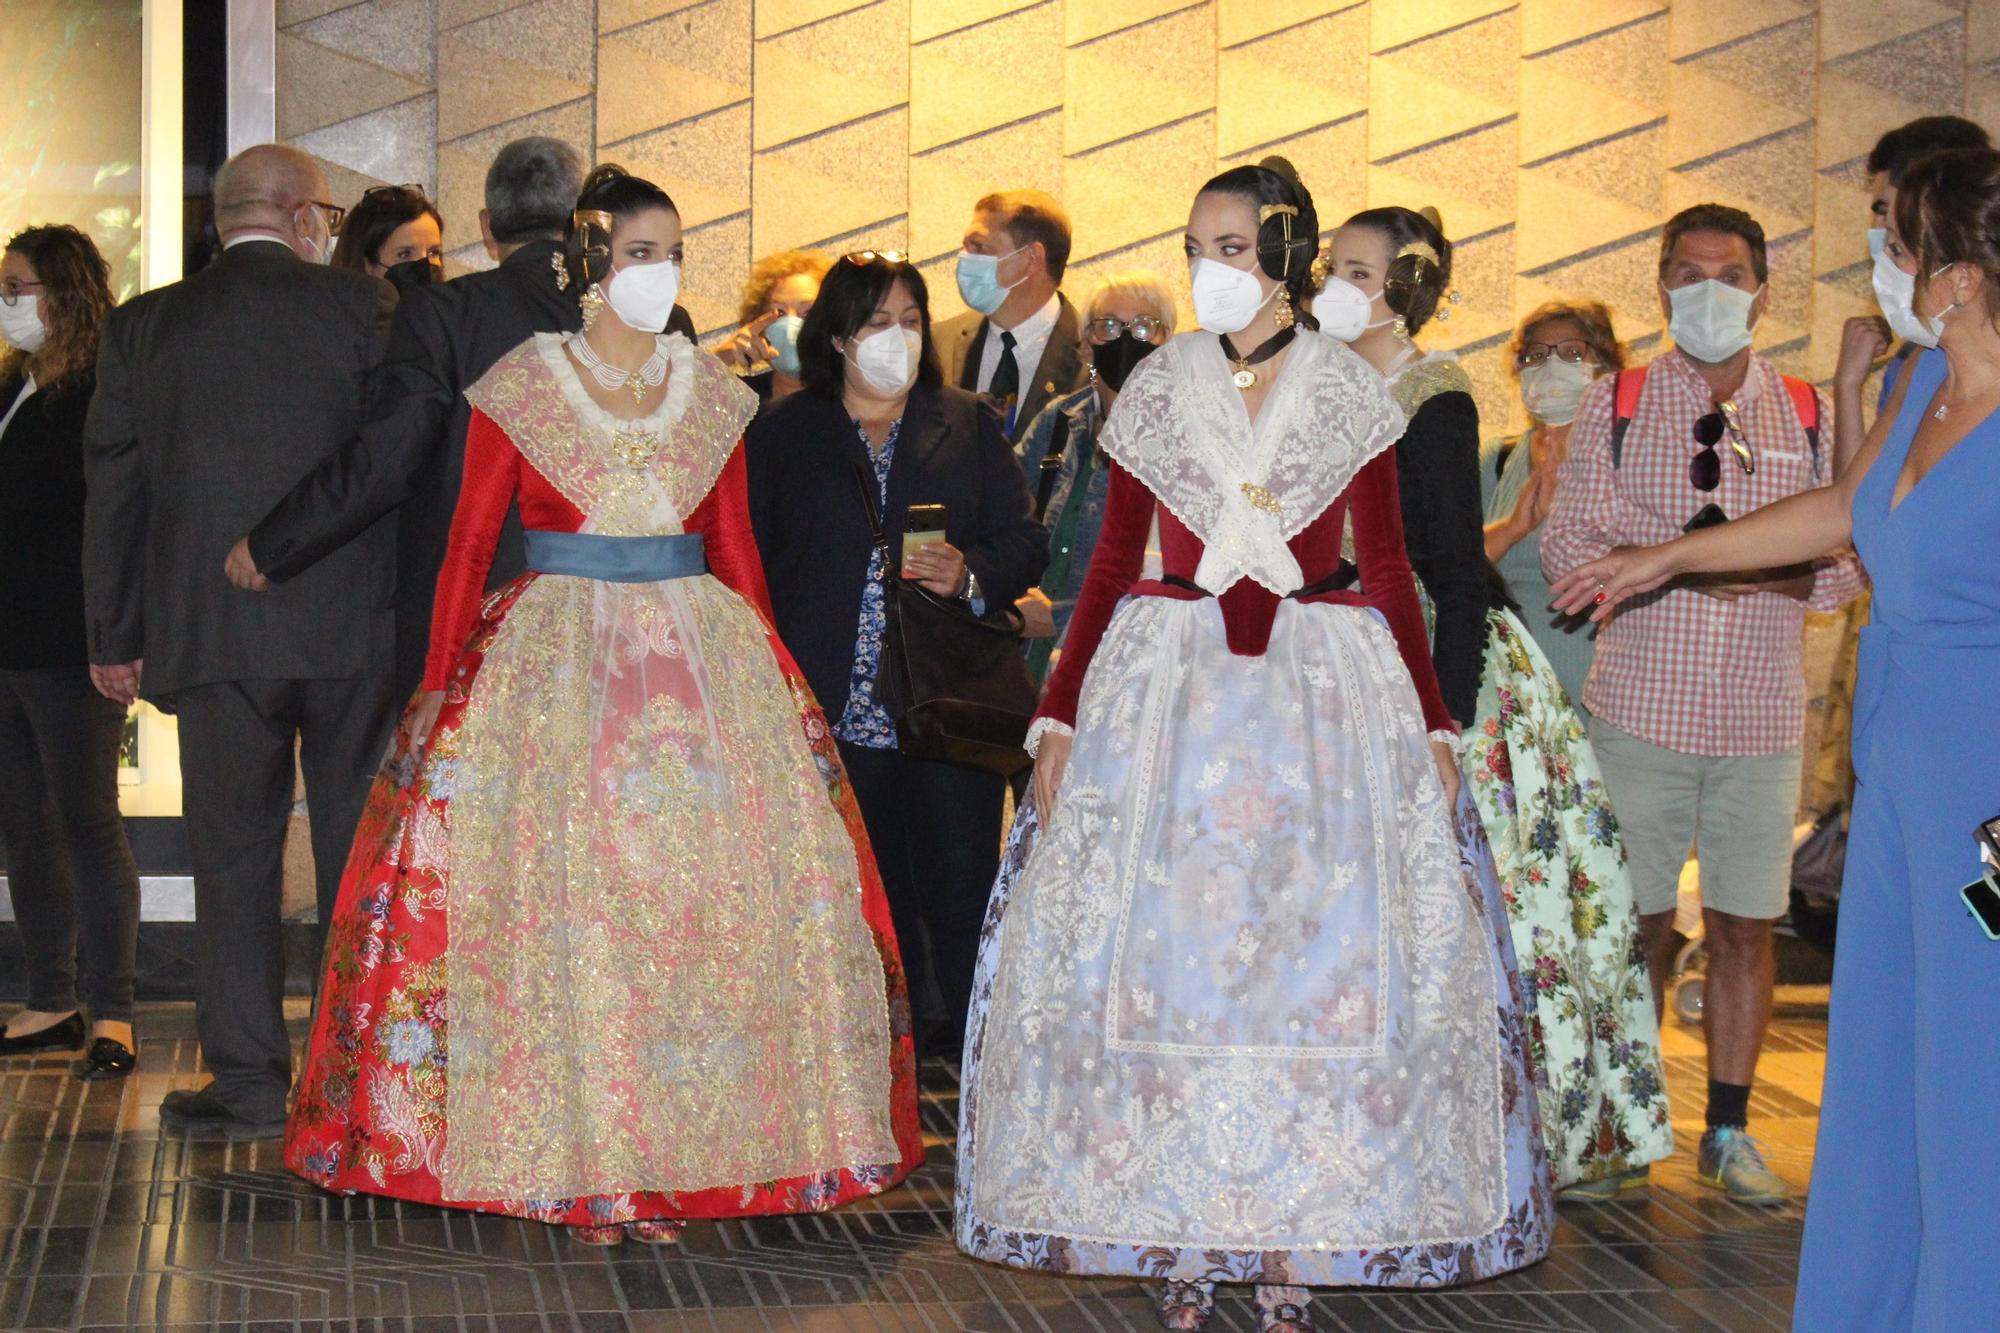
[{"x": 1076, "y": 507}]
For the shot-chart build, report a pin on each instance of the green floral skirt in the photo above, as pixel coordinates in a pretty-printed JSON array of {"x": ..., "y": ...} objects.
[{"x": 1595, "y": 1043}]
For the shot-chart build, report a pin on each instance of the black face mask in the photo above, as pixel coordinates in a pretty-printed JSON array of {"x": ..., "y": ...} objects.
[
  {"x": 412, "y": 273},
  {"x": 1114, "y": 360}
]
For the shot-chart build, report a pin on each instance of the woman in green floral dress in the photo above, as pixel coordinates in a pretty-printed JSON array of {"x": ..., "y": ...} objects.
[{"x": 1594, "y": 1036}]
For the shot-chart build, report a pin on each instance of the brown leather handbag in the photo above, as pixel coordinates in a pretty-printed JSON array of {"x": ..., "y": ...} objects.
[{"x": 956, "y": 683}]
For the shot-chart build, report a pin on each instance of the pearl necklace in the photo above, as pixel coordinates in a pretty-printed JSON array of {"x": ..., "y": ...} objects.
[{"x": 614, "y": 378}]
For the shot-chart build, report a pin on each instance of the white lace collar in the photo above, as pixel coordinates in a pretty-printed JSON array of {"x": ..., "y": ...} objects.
[
  {"x": 680, "y": 384},
  {"x": 1247, "y": 489}
]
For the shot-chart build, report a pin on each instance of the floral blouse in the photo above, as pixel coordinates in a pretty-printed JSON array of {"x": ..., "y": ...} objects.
[{"x": 864, "y": 721}]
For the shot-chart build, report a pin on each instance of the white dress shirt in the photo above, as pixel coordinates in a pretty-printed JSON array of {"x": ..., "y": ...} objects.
[{"x": 1031, "y": 336}]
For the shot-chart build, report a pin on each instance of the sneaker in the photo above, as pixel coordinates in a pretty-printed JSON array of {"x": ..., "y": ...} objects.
[
  {"x": 1731, "y": 1161},
  {"x": 1606, "y": 1188}
]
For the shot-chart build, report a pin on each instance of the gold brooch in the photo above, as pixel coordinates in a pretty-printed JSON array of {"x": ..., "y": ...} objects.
[{"x": 1262, "y": 499}]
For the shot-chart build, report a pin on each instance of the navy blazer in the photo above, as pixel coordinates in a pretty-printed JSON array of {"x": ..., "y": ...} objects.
[{"x": 805, "y": 455}]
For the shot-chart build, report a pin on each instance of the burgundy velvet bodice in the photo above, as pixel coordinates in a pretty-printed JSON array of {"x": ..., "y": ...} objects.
[{"x": 1248, "y": 608}]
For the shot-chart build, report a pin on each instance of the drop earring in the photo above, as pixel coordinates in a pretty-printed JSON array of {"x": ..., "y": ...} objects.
[
  {"x": 1400, "y": 329},
  {"x": 592, "y": 303},
  {"x": 1282, "y": 315}
]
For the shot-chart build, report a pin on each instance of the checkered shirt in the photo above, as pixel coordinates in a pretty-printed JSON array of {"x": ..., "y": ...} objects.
[{"x": 1674, "y": 667}]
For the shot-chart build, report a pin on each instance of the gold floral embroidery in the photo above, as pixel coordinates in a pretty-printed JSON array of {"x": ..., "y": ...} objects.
[
  {"x": 660, "y": 976},
  {"x": 588, "y": 463}
]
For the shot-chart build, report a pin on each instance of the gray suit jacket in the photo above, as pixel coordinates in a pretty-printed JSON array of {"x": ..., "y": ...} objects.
[
  {"x": 214, "y": 395},
  {"x": 961, "y": 342}
]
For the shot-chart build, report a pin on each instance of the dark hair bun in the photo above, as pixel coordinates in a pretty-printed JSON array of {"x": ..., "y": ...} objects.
[
  {"x": 1419, "y": 271},
  {"x": 608, "y": 189},
  {"x": 1288, "y": 242}
]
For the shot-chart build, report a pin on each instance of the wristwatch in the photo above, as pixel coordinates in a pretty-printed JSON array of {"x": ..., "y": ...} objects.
[{"x": 971, "y": 590}]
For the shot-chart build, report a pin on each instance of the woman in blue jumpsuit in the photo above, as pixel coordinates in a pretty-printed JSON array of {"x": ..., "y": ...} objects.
[{"x": 1904, "y": 1214}]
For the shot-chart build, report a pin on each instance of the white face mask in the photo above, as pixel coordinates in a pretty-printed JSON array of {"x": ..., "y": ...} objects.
[
  {"x": 1934, "y": 324},
  {"x": 1225, "y": 299},
  {"x": 317, "y": 240},
  {"x": 887, "y": 359},
  {"x": 644, "y": 294},
  {"x": 1342, "y": 310},
  {"x": 1710, "y": 320},
  {"x": 1552, "y": 390},
  {"x": 1895, "y": 291},
  {"x": 21, "y": 324}
]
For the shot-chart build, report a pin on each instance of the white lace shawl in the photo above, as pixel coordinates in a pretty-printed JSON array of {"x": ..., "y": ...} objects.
[{"x": 1246, "y": 490}]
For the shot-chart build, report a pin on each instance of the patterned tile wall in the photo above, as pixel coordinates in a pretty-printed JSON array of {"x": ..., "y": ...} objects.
[{"x": 1554, "y": 135}]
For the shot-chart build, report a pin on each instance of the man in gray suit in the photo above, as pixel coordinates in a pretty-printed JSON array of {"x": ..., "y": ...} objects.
[
  {"x": 1018, "y": 342},
  {"x": 213, "y": 395}
]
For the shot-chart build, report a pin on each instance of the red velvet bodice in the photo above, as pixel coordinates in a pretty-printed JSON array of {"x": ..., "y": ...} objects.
[{"x": 496, "y": 474}]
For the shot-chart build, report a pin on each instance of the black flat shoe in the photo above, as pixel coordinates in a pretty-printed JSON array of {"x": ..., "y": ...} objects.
[
  {"x": 64, "y": 1036},
  {"x": 107, "y": 1058},
  {"x": 201, "y": 1111}
]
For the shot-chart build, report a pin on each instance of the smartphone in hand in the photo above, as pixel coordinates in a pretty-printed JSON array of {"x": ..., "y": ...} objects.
[{"x": 923, "y": 526}]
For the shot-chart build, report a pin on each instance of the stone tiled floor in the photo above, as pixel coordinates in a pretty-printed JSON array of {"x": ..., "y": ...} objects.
[{"x": 110, "y": 1225}]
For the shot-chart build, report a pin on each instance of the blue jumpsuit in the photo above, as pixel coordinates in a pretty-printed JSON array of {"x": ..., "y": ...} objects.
[{"x": 1903, "y": 1223}]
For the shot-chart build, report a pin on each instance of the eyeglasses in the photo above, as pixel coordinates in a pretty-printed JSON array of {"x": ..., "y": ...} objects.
[
  {"x": 1109, "y": 328},
  {"x": 335, "y": 215},
  {"x": 10, "y": 295},
  {"x": 1705, "y": 468},
  {"x": 875, "y": 257},
  {"x": 1571, "y": 350}
]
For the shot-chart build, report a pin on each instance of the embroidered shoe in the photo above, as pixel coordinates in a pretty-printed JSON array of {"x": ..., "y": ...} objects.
[
  {"x": 1731, "y": 1161},
  {"x": 1284, "y": 1310},
  {"x": 1186, "y": 1305},
  {"x": 1606, "y": 1188},
  {"x": 656, "y": 1230}
]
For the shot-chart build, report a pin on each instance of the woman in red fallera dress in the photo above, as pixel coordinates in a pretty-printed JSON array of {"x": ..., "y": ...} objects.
[{"x": 611, "y": 950}]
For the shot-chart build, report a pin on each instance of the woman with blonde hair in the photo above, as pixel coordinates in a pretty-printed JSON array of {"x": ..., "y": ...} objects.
[
  {"x": 1558, "y": 353},
  {"x": 777, "y": 297},
  {"x": 1127, "y": 316}
]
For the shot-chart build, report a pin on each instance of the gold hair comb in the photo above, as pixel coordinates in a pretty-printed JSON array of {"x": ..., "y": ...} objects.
[{"x": 1420, "y": 250}]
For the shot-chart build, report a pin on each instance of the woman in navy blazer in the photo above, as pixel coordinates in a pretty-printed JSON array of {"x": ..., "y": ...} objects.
[{"x": 875, "y": 413}]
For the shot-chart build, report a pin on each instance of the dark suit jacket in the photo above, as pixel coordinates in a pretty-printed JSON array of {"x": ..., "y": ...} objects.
[
  {"x": 213, "y": 395},
  {"x": 410, "y": 453},
  {"x": 961, "y": 344},
  {"x": 812, "y": 531},
  {"x": 41, "y": 527}
]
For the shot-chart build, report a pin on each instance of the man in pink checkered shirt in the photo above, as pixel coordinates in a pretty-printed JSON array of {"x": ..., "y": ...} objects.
[{"x": 1696, "y": 694}]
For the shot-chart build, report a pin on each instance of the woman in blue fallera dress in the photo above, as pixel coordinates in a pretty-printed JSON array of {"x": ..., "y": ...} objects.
[{"x": 1904, "y": 1211}]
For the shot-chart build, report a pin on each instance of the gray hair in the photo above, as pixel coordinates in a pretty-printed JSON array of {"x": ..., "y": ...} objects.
[
  {"x": 1143, "y": 285},
  {"x": 531, "y": 189}
]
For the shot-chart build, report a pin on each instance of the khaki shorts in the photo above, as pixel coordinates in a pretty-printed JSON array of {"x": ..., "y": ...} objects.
[{"x": 1737, "y": 810}]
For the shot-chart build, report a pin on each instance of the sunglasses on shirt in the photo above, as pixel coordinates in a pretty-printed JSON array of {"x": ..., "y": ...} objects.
[{"x": 1705, "y": 468}]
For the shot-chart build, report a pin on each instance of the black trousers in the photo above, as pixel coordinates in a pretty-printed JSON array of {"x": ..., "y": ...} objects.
[
  {"x": 69, "y": 867},
  {"x": 936, "y": 833},
  {"x": 236, "y": 770}
]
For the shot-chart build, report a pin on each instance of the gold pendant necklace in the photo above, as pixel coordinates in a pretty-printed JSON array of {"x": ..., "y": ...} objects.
[{"x": 1245, "y": 377}]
